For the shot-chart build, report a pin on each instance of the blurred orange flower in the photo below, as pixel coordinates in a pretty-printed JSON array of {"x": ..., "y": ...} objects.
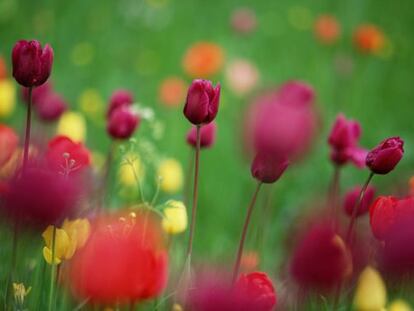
[
  {"x": 369, "y": 38},
  {"x": 327, "y": 29},
  {"x": 203, "y": 59},
  {"x": 3, "y": 70},
  {"x": 172, "y": 92}
]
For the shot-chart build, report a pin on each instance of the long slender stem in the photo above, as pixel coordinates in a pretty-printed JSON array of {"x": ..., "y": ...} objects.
[
  {"x": 244, "y": 233},
  {"x": 348, "y": 236},
  {"x": 28, "y": 126},
  {"x": 333, "y": 195},
  {"x": 195, "y": 195},
  {"x": 53, "y": 272}
]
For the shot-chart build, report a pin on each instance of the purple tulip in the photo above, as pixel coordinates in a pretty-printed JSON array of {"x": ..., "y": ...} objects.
[
  {"x": 268, "y": 169},
  {"x": 207, "y": 135},
  {"x": 122, "y": 123},
  {"x": 119, "y": 98},
  {"x": 202, "y": 102},
  {"x": 31, "y": 64},
  {"x": 351, "y": 200},
  {"x": 383, "y": 158}
]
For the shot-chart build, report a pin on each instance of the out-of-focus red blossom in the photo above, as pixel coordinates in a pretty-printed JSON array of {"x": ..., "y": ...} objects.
[
  {"x": 203, "y": 59},
  {"x": 122, "y": 123},
  {"x": 384, "y": 157},
  {"x": 119, "y": 98},
  {"x": 207, "y": 135},
  {"x": 39, "y": 196},
  {"x": 3, "y": 70},
  {"x": 65, "y": 156},
  {"x": 268, "y": 169},
  {"x": 243, "y": 20},
  {"x": 8, "y": 143},
  {"x": 368, "y": 39},
  {"x": 343, "y": 139},
  {"x": 282, "y": 123},
  {"x": 32, "y": 64},
  {"x": 202, "y": 102},
  {"x": 351, "y": 200},
  {"x": 388, "y": 210},
  {"x": 123, "y": 261},
  {"x": 327, "y": 29},
  {"x": 253, "y": 291},
  {"x": 38, "y": 93},
  {"x": 321, "y": 259}
]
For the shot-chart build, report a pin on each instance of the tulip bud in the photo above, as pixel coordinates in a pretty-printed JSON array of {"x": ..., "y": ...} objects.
[
  {"x": 175, "y": 217},
  {"x": 119, "y": 98},
  {"x": 351, "y": 200},
  {"x": 207, "y": 135},
  {"x": 31, "y": 64},
  {"x": 383, "y": 158},
  {"x": 122, "y": 123},
  {"x": 371, "y": 293},
  {"x": 202, "y": 102},
  {"x": 268, "y": 169}
]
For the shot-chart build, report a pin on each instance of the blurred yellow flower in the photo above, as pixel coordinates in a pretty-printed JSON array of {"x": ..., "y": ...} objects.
[
  {"x": 371, "y": 294},
  {"x": 399, "y": 305},
  {"x": 7, "y": 98},
  {"x": 177, "y": 307},
  {"x": 175, "y": 217},
  {"x": 78, "y": 231},
  {"x": 171, "y": 174},
  {"x": 91, "y": 104},
  {"x": 73, "y": 125},
  {"x": 20, "y": 292},
  {"x": 132, "y": 166}
]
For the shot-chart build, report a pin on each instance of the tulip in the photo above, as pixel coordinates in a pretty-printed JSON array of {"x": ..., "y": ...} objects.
[
  {"x": 119, "y": 98},
  {"x": 7, "y": 98},
  {"x": 122, "y": 123},
  {"x": 38, "y": 93},
  {"x": 65, "y": 156},
  {"x": 207, "y": 135},
  {"x": 202, "y": 102},
  {"x": 351, "y": 200},
  {"x": 171, "y": 174},
  {"x": 51, "y": 107},
  {"x": 296, "y": 93},
  {"x": 267, "y": 169},
  {"x": 73, "y": 125},
  {"x": 31, "y": 64},
  {"x": 8, "y": 144},
  {"x": 383, "y": 158},
  {"x": 371, "y": 293},
  {"x": 61, "y": 245},
  {"x": 175, "y": 217}
]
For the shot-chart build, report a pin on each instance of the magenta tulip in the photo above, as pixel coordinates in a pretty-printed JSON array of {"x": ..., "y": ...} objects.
[
  {"x": 383, "y": 158},
  {"x": 207, "y": 135}
]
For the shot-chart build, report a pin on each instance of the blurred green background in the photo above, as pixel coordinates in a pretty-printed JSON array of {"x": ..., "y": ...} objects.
[{"x": 135, "y": 45}]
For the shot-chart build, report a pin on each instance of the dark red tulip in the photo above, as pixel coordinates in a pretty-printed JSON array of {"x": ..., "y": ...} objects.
[
  {"x": 119, "y": 98},
  {"x": 383, "y": 158},
  {"x": 122, "y": 262},
  {"x": 65, "y": 156},
  {"x": 257, "y": 290},
  {"x": 8, "y": 143},
  {"x": 344, "y": 140},
  {"x": 122, "y": 123},
  {"x": 31, "y": 64},
  {"x": 51, "y": 107},
  {"x": 351, "y": 200},
  {"x": 268, "y": 169},
  {"x": 321, "y": 259},
  {"x": 207, "y": 135},
  {"x": 202, "y": 102}
]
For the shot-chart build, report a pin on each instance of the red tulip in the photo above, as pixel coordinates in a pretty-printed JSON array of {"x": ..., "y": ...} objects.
[
  {"x": 8, "y": 143},
  {"x": 119, "y": 98},
  {"x": 383, "y": 158},
  {"x": 207, "y": 135},
  {"x": 202, "y": 102},
  {"x": 343, "y": 139},
  {"x": 65, "y": 156},
  {"x": 31, "y": 64},
  {"x": 123, "y": 261},
  {"x": 351, "y": 200},
  {"x": 268, "y": 169},
  {"x": 122, "y": 123}
]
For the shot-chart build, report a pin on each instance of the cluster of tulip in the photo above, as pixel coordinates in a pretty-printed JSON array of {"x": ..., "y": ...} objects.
[{"x": 122, "y": 259}]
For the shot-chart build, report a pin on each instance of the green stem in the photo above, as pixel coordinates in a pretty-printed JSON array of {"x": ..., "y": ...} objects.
[{"x": 53, "y": 272}]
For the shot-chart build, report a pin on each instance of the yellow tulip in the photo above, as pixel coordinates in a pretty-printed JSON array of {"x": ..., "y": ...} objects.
[
  {"x": 175, "y": 217},
  {"x": 7, "y": 98},
  {"x": 62, "y": 245},
  {"x": 132, "y": 166},
  {"x": 20, "y": 292},
  {"x": 73, "y": 125},
  {"x": 371, "y": 294},
  {"x": 78, "y": 231},
  {"x": 399, "y": 305},
  {"x": 171, "y": 174}
]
